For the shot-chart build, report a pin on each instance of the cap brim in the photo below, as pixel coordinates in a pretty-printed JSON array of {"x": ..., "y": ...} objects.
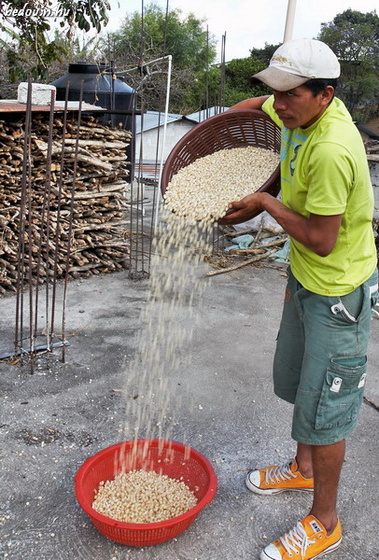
[{"x": 279, "y": 80}]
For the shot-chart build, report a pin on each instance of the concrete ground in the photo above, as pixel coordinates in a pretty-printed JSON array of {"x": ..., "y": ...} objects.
[{"x": 221, "y": 403}]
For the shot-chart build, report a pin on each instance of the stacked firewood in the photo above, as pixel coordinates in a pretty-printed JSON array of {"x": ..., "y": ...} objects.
[
  {"x": 372, "y": 150},
  {"x": 63, "y": 199}
]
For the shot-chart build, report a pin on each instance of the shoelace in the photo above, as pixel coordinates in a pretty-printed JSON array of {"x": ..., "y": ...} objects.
[
  {"x": 296, "y": 541},
  {"x": 278, "y": 474}
]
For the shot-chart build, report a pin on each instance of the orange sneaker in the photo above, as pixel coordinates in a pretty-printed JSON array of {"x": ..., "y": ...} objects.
[
  {"x": 307, "y": 541},
  {"x": 274, "y": 479}
]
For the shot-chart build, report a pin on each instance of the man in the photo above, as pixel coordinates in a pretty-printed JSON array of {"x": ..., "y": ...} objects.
[{"x": 320, "y": 359}]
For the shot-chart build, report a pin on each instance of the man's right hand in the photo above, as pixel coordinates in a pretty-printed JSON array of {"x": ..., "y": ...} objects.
[{"x": 243, "y": 210}]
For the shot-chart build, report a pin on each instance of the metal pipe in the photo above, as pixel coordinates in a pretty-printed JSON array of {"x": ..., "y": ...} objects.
[
  {"x": 34, "y": 350},
  {"x": 288, "y": 31}
]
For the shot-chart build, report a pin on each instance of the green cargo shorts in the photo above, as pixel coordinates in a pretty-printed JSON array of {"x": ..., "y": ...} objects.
[{"x": 321, "y": 358}]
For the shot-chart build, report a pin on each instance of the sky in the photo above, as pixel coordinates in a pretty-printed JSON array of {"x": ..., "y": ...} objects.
[{"x": 250, "y": 23}]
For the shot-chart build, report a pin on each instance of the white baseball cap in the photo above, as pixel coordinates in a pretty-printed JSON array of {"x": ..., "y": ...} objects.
[{"x": 297, "y": 61}]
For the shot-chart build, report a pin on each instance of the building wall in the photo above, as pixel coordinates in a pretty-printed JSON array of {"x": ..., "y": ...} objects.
[{"x": 174, "y": 132}]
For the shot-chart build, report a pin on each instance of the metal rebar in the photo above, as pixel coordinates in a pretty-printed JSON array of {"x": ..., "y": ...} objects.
[
  {"x": 70, "y": 228},
  {"x": 19, "y": 334},
  {"x": 59, "y": 209}
]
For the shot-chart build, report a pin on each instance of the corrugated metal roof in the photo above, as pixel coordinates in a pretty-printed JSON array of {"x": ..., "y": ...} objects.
[
  {"x": 154, "y": 119},
  {"x": 200, "y": 116}
]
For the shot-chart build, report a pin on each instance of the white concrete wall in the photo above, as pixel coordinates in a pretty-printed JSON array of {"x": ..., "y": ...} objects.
[{"x": 174, "y": 132}]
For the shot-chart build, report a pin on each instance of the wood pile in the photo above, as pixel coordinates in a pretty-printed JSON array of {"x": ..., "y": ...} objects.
[
  {"x": 372, "y": 150},
  {"x": 68, "y": 200}
]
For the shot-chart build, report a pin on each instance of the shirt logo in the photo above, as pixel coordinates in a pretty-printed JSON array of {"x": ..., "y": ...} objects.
[{"x": 292, "y": 162}]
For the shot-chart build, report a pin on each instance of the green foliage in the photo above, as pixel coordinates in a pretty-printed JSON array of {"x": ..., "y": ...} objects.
[
  {"x": 144, "y": 38},
  {"x": 26, "y": 25},
  {"x": 238, "y": 80},
  {"x": 157, "y": 33},
  {"x": 25, "y": 62},
  {"x": 207, "y": 91},
  {"x": 86, "y": 14},
  {"x": 264, "y": 55},
  {"x": 354, "y": 37},
  {"x": 238, "y": 72},
  {"x": 34, "y": 17}
]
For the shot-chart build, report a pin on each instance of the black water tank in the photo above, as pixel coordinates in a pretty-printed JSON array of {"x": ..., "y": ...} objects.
[{"x": 101, "y": 87}]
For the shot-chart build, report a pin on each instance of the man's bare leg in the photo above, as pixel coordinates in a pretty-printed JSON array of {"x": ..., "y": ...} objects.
[{"x": 324, "y": 463}]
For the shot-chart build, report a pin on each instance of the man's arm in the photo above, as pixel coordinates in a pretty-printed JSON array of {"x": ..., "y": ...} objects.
[
  {"x": 252, "y": 103},
  {"x": 317, "y": 233}
]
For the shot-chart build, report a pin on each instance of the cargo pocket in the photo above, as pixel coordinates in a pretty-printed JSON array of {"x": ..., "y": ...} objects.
[
  {"x": 349, "y": 308},
  {"x": 342, "y": 392}
]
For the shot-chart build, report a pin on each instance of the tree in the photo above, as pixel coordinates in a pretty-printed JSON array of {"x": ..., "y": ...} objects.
[
  {"x": 265, "y": 54},
  {"x": 154, "y": 34},
  {"x": 27, "y": 47},
  {"x": 354, "y": 37},
  {"x": 238, "y": 80},
  {"x": 35, "y": 15}
]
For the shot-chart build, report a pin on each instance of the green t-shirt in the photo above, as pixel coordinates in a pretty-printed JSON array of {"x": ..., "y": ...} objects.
[{"x": 324, "y": 171}]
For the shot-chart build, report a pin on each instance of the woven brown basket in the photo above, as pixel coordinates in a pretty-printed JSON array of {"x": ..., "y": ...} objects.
[{"x": 233, "y": 129}]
